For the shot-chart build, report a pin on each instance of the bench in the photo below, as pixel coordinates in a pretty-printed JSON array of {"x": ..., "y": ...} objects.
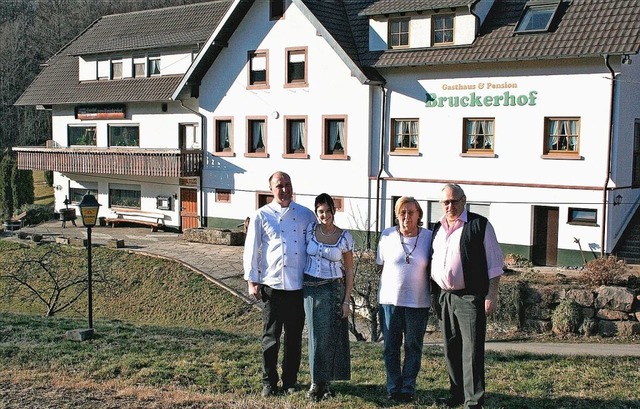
[
  {"x": 134, "y": 216},
  {"x": 16, "y": 222}
]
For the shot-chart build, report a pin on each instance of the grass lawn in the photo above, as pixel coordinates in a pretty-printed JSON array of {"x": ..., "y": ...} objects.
[
  {"x": 42, "y": 194},
  {"x": 167, "y": 338}
]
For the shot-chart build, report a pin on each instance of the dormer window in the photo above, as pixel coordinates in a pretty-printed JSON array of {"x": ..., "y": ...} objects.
[
  {"x": 103, "y": 69},
  {"x": 443, "y": 29},
  {"x": 537, "y": 16},
  {"x": 154, "y": 65},
  {"x": 116, "y": 69},
  {"x": 139, "y": 65},
  {"x": 399, "y": 32}
]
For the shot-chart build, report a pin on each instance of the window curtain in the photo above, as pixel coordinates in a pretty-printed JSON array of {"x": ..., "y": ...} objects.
[
  {"x": 472, "y": 134},
  {"x": 258, "y": 135},
  {"x": 553, "y": 134},
  {"x": 297, "y": 135},
  {"x": 488, "y": 134},
  {"x": 224, "y": 132},
  {"x": 573, "y": 131},
  {"x": 398, "y": 131},
  {"x": 414, "y": 133},
  {"x": 336, "y": 135}
]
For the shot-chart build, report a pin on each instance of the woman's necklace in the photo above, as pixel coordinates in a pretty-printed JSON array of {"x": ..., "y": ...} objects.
[
  {"x": 406, "y": 255},
  {"x": 328, "y": 234}
]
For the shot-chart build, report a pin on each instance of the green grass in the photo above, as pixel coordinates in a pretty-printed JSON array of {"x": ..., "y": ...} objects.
[
  {"x": 42, "y": 194},
  {"x": 166, "y": 337}
]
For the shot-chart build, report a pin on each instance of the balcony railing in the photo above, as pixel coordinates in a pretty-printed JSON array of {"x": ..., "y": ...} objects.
[{"x": 112, "y": 161}]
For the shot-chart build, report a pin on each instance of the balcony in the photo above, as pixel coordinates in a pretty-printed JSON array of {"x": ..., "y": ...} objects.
[{"x": 112, "y": 161}]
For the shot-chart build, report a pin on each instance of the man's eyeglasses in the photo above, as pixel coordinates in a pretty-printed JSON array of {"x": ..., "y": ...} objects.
[{"x": 451, "y": 202}]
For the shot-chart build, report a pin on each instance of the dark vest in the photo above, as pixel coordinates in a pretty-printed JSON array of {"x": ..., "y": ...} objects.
[{"x": 473, "y": 255}]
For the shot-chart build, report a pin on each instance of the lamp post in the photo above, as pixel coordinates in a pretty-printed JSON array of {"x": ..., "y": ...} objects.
[{"x": 89, "y": 212}]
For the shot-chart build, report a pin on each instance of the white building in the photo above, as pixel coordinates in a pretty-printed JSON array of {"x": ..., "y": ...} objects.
[{"x": 531, "y": 106}]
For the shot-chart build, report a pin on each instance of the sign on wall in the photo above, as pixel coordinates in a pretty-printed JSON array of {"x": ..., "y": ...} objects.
[{"x": 94, "y": 112}]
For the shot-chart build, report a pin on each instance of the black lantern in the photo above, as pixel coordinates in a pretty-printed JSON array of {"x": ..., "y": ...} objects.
[
  {"x": 617, "y": 200},
  {"x": 89, "y": 212}
]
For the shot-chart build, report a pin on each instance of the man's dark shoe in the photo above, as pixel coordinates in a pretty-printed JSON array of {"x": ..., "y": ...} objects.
[
  {"x": 327, "y": 394},
  {"x": 268, "y": 390},
  {"x": 449, "y": 402},
  {"x": 394, "y": 397},
  {"x": 290, "y": 390},
  {"x": 407, "y": 397}
]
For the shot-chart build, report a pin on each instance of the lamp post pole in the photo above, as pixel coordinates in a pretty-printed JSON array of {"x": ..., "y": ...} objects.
[
  {"x": 89, "y": 212},
  {"x": 89, "y": 279}
]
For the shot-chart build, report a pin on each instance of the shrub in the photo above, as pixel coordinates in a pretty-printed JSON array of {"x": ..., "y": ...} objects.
[
  {"x": 607, "y": 270},
  {"x": 567, "y": 317},
  {"x": 516, "y": 260},
  {"x": 510, "y": 301},
  {"x": 36, "y": 214}
]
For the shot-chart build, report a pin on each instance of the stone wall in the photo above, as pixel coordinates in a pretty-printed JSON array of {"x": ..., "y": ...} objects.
[
  {"x": 214, "y": 236},
  {"x": 605, "y": 311}
]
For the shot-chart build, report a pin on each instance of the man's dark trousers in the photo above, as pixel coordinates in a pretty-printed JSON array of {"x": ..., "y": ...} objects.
[
  {"x": 282, "y": 310},
  {"x": 463, "y": 326}
]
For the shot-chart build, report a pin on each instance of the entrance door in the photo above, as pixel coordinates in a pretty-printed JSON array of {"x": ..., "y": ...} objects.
[
  {"x": 188, "y": 208},
  {"x": 545, "y": 236}
]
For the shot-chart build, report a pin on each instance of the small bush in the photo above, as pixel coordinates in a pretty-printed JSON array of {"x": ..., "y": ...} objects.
[
  {"x": 510, "y": 300},
  {"x": 607, "y": 270},
  {"x": 516, "y": 260},
  {"x": 36, "y": 214},
  {"x": 567, "y": 317}
]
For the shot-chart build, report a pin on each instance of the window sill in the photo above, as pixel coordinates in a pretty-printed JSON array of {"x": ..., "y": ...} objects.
[
  {"x": 408, "y": 152},
  {"x": 256, "y": 155},
  {"x": 335, "y": 157},
  {"x": 296, "y": 84},
  {"x": 258, "y": 86},
  {"x": 478, "y": 155},
  {"x": 295, "y": 156},
  {"x": 227, "y": 154},
  {"x": 562, "y": 157},
  {"x": 589, "y": 224}
]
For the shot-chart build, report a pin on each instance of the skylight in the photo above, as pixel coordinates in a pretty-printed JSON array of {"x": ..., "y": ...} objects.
[{"x": 536, "y": 17}]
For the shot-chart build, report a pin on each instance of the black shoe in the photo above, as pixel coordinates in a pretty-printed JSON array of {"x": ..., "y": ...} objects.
[
  {"x": 394, "y": 397},
  {"x": 449, "y": 402},
  {"x": 406, "y": 397},
  {"x": 269, "y": 390},
  {"x": 289, "y": 390},
  {"x": 327, "y": 394}
]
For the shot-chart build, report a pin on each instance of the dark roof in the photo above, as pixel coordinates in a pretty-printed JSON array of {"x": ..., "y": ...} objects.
[
  {"x": 181, "y": 26},
  {"x": 381, "y": 7},
  {"x": 582, "y": 28}
]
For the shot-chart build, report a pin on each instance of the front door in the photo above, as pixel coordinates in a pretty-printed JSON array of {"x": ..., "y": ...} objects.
[
  {"x": 545, "y": 236},
  {"x": 188, "y": 208}
]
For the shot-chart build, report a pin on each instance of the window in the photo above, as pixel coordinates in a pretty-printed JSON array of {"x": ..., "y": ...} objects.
[
  {"x": 334, "y": 137},
  {"x": 224, "y": 136},
  {"x": 223, "y": 195},
  {"x": 635, "y": 179},
  {"x": 276, "y": 9},
  {"x": 537, "y": 17},
  {"x": 154, "y": 65},
  {"x": 124, "y": 196},
  {"x": 77, "y": 193},
  {"x": 399, "y": 32},
  {"x": 295, "y": 138},
  {"x": 478, "y": 136},
  {"x": 81, "y": 135},
  {"x": 297, "y": 67},
  {"x": 562, "y": 136},
  {"x": 583, "y": 216},
  {"x": 257, "y": 137},
  {"x": 264, "y": 199},
  {"x": 116, "y": 69},
  {"x": 404, "y": 135},
  {"x": 338, "y": 202},
  {"x": 435, "y": 213},
  {"x": 442, "y": 29},
  {"x": 124, "y": 135},
  {"x": 139, "y": 65},
  {"x": 188, "y": 134},
  {"x": 258, "y": 63},
  {"x": 103, "y": 69}
]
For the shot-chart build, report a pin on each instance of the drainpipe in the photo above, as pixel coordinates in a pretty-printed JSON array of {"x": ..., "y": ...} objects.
[
  {"x": 609, "y": 148},
  {"x": 203, "y": 122},
  {"x": 382, "y": 163}
]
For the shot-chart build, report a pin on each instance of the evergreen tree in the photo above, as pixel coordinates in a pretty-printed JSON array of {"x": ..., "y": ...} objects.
[
  {"x": 6, "y": 194},
  {"x": 22, "y": 181}
]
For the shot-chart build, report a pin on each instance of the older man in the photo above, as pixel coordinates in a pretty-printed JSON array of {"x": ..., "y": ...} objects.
[{"x": 466, "y": 268}]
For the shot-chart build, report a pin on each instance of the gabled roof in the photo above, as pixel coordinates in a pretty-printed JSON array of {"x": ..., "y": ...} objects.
[
  {"x": 166, "y": 28},
  {"x": 382, "y": 7},
  {"x": 582, "y": 28}
]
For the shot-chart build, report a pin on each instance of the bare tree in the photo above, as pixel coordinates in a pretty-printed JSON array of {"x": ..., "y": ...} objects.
[{"x": 50, "y": 275}]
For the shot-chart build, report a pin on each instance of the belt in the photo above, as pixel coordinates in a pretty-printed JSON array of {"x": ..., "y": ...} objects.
[
  {"x": 323, "y": 282},
  {"x": 459, "y": 293}
]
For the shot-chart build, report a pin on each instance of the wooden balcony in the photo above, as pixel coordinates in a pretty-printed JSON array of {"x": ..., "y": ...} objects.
[{"x": 112, "y": 161}]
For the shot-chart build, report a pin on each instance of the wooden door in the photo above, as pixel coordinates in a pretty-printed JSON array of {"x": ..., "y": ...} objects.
[
  {"x": 545, "y": 236},
  {"x": 188, "y": 209}
]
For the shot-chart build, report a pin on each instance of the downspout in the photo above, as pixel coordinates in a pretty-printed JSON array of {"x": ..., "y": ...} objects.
[
  {"x": 203, "y": 122},
  {"x": 609, "y": 149},
  {"x": 382, "y": 163}
]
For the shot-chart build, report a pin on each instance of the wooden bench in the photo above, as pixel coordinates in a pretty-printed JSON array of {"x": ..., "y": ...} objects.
[
  {"x": 134, "y": 216},
  {"x": 16, "y": 222}
]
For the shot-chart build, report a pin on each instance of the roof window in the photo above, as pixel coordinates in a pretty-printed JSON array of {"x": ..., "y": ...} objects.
[{"x": 537, "y": 16}]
